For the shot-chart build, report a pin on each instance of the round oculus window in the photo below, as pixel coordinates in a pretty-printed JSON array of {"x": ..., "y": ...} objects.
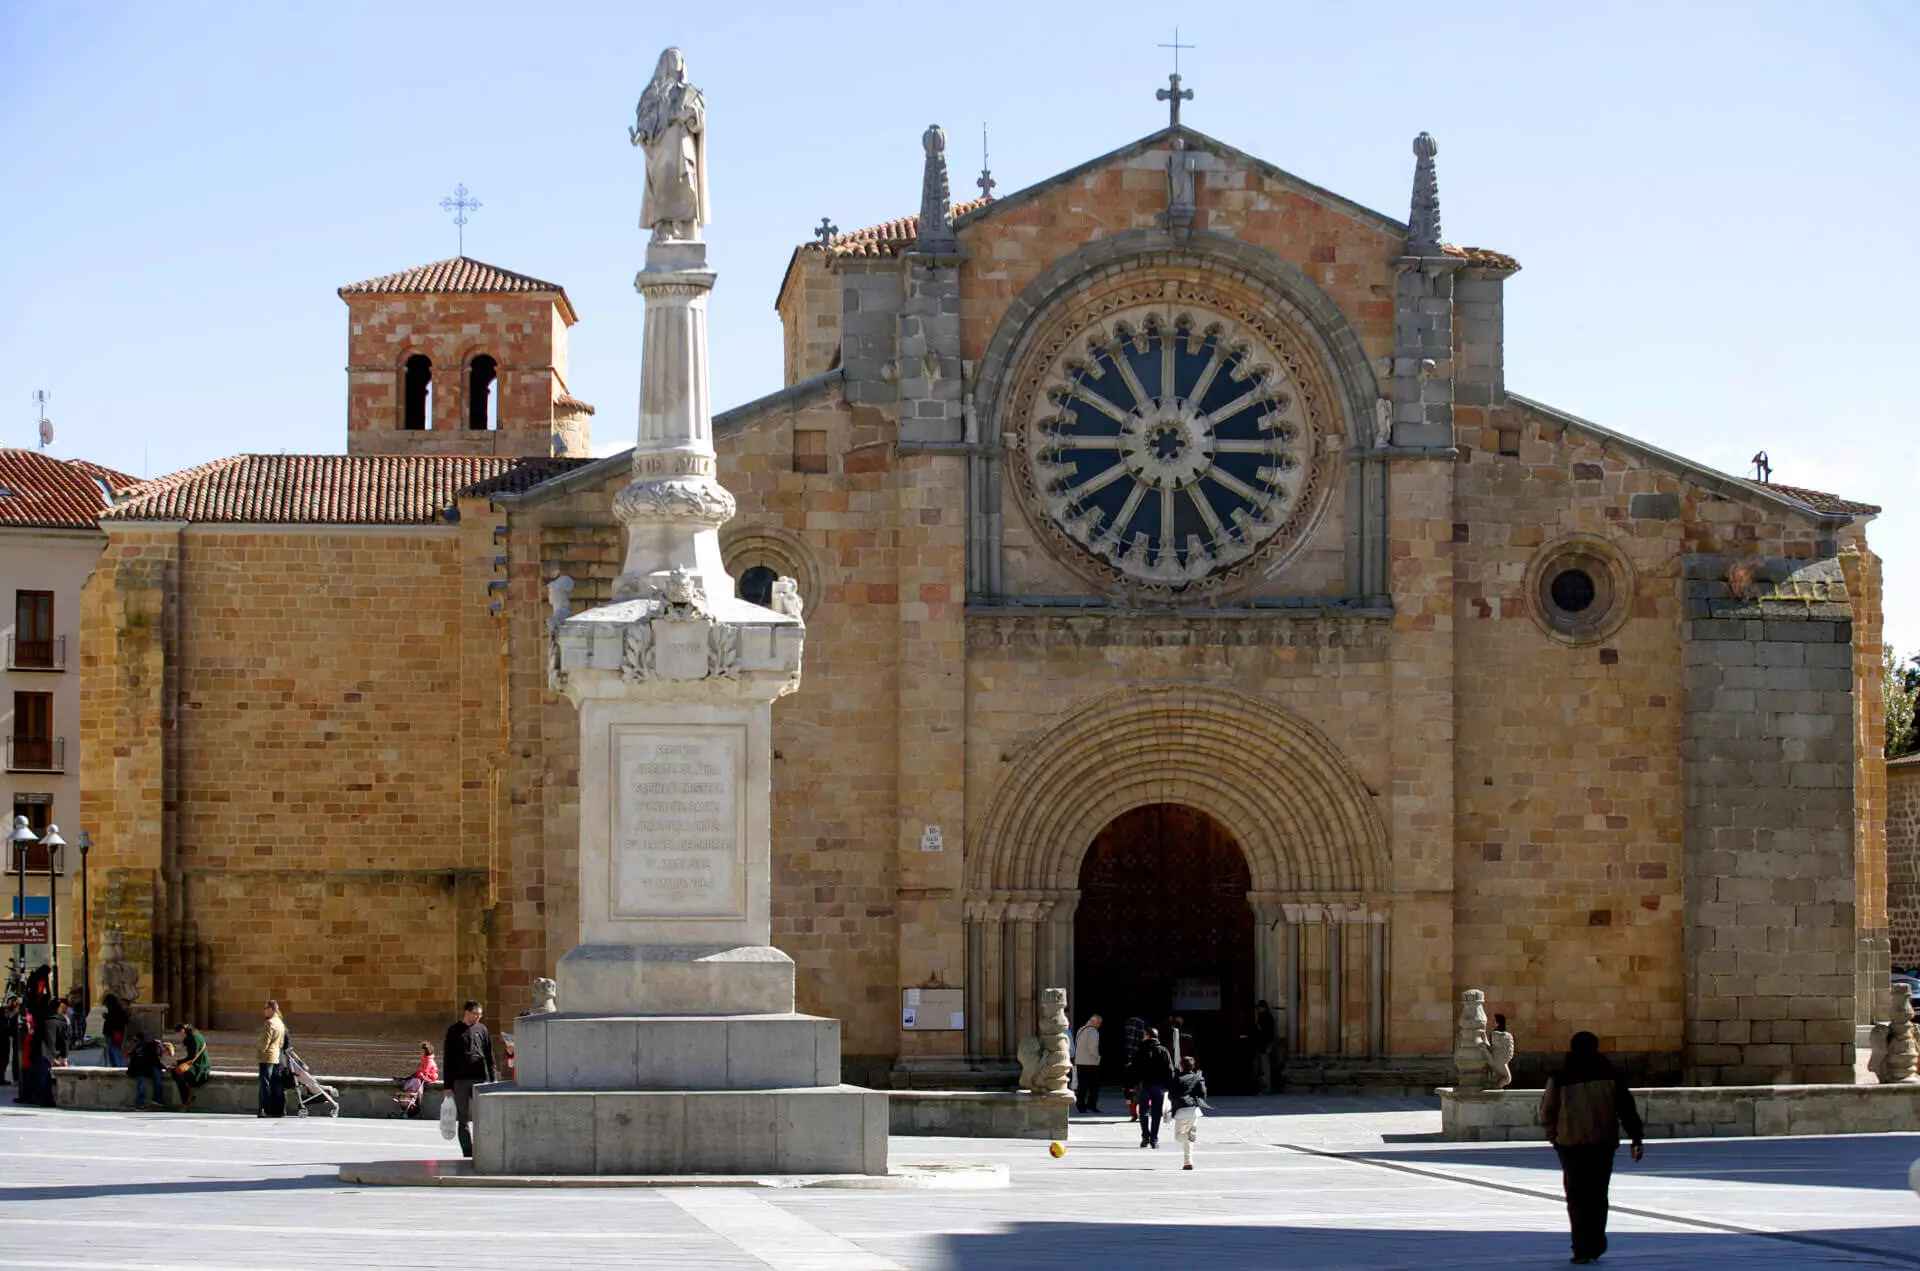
[
  {"x": 1170, "y": 445},
  {"x": 1578, "y": 589}
]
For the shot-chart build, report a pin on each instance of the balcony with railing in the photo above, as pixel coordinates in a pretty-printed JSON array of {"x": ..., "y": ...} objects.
[
  {"x": 36, "y": 754},
  {"x": 49, "y": 654}
]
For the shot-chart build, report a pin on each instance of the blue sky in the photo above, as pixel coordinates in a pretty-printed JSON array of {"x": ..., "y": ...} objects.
[{"x": 1714, "y": 203}]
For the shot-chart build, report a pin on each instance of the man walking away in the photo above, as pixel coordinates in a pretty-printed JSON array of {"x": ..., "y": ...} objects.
[
  {"x": 1156, "y": 1077},
  {"x": 269, "y": 1052},
  {"x": 467, "y": 1058},
  {"x": 1133, "y": 1039},
  {"x": 191, "y": 1067},
  {"x": 1187, "y": 1098},
  {"x": 1086, "y": 1064},
  {"x": 1583, "y": 1109}
]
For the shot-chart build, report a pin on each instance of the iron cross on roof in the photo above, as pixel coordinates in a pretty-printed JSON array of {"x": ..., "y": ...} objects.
[
  {"x": 1173, "y": 94},
  {"x": 460, "y": 203}
]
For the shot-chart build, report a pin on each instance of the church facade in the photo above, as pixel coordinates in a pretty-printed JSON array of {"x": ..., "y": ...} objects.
[{"x": 1194, "y": 618}]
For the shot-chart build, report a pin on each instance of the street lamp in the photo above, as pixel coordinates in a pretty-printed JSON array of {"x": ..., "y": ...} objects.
[
  {"x": 86, "y": 925},
  {"x": 56, "y": 857},
  {"x": 20, "y": 837}
]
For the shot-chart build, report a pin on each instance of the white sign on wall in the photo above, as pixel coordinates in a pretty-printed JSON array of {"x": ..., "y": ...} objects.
[{"x": 930, "y": 840}]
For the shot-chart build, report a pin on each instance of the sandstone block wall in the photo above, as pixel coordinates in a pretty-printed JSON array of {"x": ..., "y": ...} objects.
[
  {"x": 1903, "y": 859},
  {"x": 1770, "y": 905}
]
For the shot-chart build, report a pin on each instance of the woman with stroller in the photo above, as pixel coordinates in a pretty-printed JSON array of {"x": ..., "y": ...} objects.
[{"x": 425, "y": 1073}]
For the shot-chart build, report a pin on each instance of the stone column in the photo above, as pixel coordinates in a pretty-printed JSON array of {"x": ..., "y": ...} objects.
[{"x": 675, "y": 1001}]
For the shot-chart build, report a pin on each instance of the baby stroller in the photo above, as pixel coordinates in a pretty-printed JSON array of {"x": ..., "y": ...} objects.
[
  {"x": 310, "y": 1089},
  {"x": 413, "y": 1093}
]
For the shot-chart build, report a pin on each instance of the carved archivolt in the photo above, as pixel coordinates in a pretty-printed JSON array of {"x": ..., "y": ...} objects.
[
  {"x": 784, "y": 552},
  {"x": 1286, "y": 793},
  {"x": 1172, "y": 438}
]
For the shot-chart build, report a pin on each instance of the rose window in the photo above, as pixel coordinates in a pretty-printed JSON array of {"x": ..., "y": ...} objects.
[{"x": 1170, "y": 446}]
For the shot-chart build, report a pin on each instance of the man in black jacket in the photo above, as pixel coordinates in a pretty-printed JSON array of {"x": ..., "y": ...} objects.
[
  {"x": 1156, "y": 1075},
  {"x": 468, "y": 1058}
]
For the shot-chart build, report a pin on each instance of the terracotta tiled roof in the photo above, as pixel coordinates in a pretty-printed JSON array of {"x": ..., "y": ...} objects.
[
  {"x": 524, "y": 475},
  {"x": 1905, "y": 761},
  {"x": 460, "y": 276},
  {"x": 1819, "y": 500},
  {"x": 570, "y": 401},
  {"x": 888, "y": 238},
  {"x": 1484, "y": 258},
  {"x": 42, "y": 492},
  {"x": 323, "y": 489}
]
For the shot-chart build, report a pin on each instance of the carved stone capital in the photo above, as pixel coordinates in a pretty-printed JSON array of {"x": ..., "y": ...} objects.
[{"x": 700, "y": 500}]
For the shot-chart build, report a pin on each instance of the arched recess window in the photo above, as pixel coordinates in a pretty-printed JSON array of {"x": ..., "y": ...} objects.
[
  {"x": 756, "y": 585},
  {"x": 416, "y": 395},
  {"x": 483, "y": 401}
]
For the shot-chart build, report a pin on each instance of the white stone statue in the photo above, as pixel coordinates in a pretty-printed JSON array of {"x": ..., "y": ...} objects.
[
  {"x": 1472, "y": 1055},
  {"x": 671, "y": 123},
  {"x": 546, "y": 997},
  {"x": 786, "y": 597},
  {"x": 1500, "y": 1053}
]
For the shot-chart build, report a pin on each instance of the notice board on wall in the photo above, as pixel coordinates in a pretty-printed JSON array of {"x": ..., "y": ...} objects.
[{"x": 933, "y": 1010}]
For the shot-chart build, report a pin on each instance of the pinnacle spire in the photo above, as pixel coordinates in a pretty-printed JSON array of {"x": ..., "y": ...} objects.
[
  {"x": 1423, "y": 224},
  {"x": 936, "y": 198}
]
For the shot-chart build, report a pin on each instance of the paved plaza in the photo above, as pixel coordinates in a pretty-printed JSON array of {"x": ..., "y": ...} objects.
[{"x": 1283, "y": 1182}]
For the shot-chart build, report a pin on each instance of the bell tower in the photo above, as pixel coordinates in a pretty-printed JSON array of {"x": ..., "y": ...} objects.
[{"x": 461, "y": 358}]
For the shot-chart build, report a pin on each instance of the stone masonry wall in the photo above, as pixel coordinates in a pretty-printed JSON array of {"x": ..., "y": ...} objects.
[
  {"x": 1770, "y": 851},
  {"x": 1903, "y": 859},
  {"x": 1567, "y": 861}
]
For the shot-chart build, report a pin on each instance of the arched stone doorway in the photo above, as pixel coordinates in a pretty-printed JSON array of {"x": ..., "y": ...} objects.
[
  {"x": 1164, "y": 928},
  {"x": 1313, "y": 847}
]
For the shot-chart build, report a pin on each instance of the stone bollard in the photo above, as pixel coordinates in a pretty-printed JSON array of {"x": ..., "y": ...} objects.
[
  {"x": 1901, "y": 1052},
  {"x": 1472, "y": 1055}
]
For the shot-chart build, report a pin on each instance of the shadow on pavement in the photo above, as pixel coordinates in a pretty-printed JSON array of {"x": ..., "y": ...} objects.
[
  {"x": 171, "y": 1187},
  {"x": 1872, "y": 1162},
  {"x": 1077, "y": 1246}
]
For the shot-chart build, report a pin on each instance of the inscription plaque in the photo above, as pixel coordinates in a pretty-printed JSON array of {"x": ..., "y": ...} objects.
[{"x": 678, "y": 850}]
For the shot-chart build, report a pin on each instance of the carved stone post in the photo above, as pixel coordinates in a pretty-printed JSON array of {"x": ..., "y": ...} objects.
[
  {"x": 1901, "y": 1052},
  {"x": 1472, "y": 1056}
]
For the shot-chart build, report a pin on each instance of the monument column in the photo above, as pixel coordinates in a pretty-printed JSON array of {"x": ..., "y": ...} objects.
[{"x": 675, "y": 1048}]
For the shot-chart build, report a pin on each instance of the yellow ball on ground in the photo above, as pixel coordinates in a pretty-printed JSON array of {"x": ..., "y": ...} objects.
[{"x": 1058, "y": 1149}]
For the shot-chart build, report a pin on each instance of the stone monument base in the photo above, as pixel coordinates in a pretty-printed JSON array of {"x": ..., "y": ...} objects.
[
  {"x": 676, "y": 979},
  {"x": 575, "y": 1051},
  {"x": 818, "y": 1130}
]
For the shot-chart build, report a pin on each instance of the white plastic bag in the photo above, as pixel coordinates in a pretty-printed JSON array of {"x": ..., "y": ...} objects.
[{"x": 447, "y": 1128}]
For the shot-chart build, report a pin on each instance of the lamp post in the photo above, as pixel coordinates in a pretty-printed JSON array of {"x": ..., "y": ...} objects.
[
  {"x": 86, "y": 924},
  {"x": 56, "y": 857},
  {"x": 19, "y": 839}
]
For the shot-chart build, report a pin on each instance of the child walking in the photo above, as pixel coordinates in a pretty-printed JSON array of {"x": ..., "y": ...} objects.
[{"x": 1187, "y": 1097}]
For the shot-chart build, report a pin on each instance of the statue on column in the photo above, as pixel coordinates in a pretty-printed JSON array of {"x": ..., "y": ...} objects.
[{"x": 671, "y": 123}]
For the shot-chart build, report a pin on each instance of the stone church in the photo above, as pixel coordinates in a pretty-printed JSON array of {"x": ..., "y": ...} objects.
[{"x": 1195, "y": 618}]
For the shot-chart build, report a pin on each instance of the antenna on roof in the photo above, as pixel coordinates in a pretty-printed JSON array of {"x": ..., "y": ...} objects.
[
  {"x": 1762, "y": 467},
  {"x": 40, "y": 396}
]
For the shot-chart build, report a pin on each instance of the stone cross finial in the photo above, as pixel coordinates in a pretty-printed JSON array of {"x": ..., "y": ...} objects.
[
  {"x": 986, "y": 181},
  {"x": 1173, "y": 95},
  {"x": 936, "y": 199},
  {"x": 825, "y": 231},
  {"x": 1423, "y": 225}
]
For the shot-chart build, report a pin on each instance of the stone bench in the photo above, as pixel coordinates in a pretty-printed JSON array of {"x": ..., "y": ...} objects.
[
  {"x": 967, "y": 1114},
  {"x": 1677, "y": 1112},
  {"x": 227, "y": 1090}
]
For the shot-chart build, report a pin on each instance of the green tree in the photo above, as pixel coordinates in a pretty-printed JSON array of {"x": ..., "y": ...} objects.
[{"x": 1899, "y": 686}]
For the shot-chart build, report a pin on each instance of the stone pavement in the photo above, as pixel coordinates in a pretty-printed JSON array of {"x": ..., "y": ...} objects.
[{"x": 1291, "y": 1182}]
